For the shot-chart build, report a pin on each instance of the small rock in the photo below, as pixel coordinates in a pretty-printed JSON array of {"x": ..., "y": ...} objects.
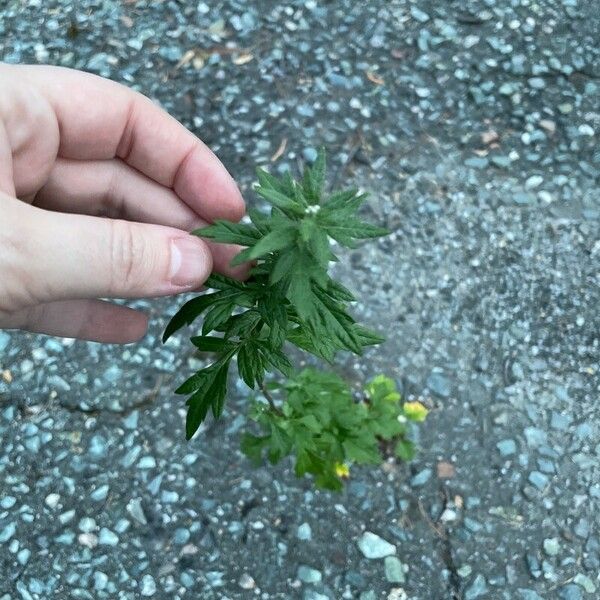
[
  {"x": 310, "y": 154},
  {"x": 215, "y": 578},
  {"x": 464, "y": 571},
  {"x": 476, "y": 589},
  {"x": 397, "y": 594},
  {"x": 98, "y": 446},
  {"x": 134, "y": 508},
  {"x": 582, "y": 529},
  {"x": 394, "y": 570},
  {"x": 89, "y": 540},
  {"x": 449, "y": 515},
  {"x": 437, "y": 382},
  {"x": 67, "y": 516},
  {"x": 537, "y": 83},
  {"x": 52, "y": 500},
  {"x": 570, "y": 592},
  {"x": 107, "y": 537},
  {"x": 539, "y": 480},
  {"x": 308, "y": 574},
  {"x": 148, "y": 587},
  {"x": 372, "y": 546},
  {"x": 585, "y": 582},
  {"x": 147, "y": 462},
  {"x": 586, "y": 130},
  {"x": 503, "y": 162},
  {"x": 246, "y": 582},
  {"x": 565, "y": 108},
  {"x": 506, "y": 447},
  {"x": 100, "y": 580},
  {"x": 533, "y": 565},
  {"x": 533, "y": 182},
  {"x": 171, "y": 53},
  {"x": 100, "y": 493},
  {"x": 8, "y": 532},
  {"x": 535, "y": 437},
  {"x": 4, "y": 341},
  {"x": 559, "y": 421},
  {"x": 23, "y": 556},
  {"x": 445, "y": 470},
  {"x": 419, "y": 15},
  {"x": 421, "y": 478},
  {"x": 551, "y": 546},
  {"x": 304, "y": 532},
  {"x": 8, "y": 501},
  {"x": 169, "y": 497},
  {"x": 87, "y": 524},
  {"x": 181, "y": 536},
  {"x": 475, "y": 162},
  {"x": 549, "y": 126}
]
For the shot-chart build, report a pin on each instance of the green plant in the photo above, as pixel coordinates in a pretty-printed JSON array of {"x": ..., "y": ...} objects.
[
  {"x": 290, "y": 298},
  {"x": 327, "y": 429}
]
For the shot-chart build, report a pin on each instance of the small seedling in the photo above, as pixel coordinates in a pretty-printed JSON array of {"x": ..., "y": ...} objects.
[{"x": 291, "y": 299}]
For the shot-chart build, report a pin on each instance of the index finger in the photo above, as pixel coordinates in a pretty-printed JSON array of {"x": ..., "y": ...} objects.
[{"x": 101, "y": 119}]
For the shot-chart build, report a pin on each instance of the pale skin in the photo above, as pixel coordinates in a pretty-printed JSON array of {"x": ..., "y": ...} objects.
[{"x": 98, "y": 190}]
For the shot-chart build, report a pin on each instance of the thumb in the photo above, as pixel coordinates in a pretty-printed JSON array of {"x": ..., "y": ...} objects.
[{"x": 75, "y": 256}]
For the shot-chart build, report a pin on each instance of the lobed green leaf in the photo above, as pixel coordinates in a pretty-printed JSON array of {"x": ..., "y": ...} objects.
[{"x": 230, "y": 233}]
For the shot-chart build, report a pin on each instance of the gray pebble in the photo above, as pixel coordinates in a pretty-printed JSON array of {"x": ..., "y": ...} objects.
[
  {"x": 570, "y": 592},
  {"x": 148, "y": 586},
  {"x": 507, "y": 447},
  {"x": 308, "y": 574},
  {"x": 310, "y": 154},
  {"x": 4, "y": 341},
  {"x": 551, "y": 546},
  {"x": 477, "y": 589},
  {"x": 539, "y": 480},
  {"x": 372, "y": 546},
  {"x": 304, "y": 532},
  {"x": 100, "y": 493},
  {"x": 439, "y": 384},
  {"x": 394, "y": 570},
  {"x": 107, "y": 537},
  {"x": 421, "y": 478}
]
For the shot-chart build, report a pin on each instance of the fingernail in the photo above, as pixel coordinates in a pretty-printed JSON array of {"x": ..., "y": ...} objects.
[{"x": 191, "y": 262}]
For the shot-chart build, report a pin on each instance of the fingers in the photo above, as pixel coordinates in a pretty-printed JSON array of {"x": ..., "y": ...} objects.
[
  {"x": 65, "y": 256},
  {"x": 6, "y": 171},
  {"x": 92, "y": 320},
  {"x": 100, "y": 119},
  {"x": 113, "y": 189}
]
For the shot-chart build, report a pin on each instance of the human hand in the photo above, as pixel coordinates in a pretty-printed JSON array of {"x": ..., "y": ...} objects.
[{"x": 98, "y": 189}]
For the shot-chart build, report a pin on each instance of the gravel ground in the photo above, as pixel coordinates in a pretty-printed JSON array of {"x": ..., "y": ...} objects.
[{"x": 475, "y": 127}]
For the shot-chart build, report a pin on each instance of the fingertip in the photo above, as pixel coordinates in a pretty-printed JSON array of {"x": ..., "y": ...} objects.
[
  {"x": 207, "y": 187},
  {"x": 137, "y": 328},
  {"x": 191, "y": 262},
  {"x": 114, "y": 324},
  {"x": 223, "y": 254},
  {"x": 238, "y": 205}
]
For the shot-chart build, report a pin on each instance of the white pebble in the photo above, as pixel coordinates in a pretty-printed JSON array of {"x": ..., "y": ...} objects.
[{"x": 52, "y": 500}]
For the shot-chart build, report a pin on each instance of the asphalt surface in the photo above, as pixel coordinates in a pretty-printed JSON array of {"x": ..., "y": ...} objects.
[{"x": 474, "y": 126}]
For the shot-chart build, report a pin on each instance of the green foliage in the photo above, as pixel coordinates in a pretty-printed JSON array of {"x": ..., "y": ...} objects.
[
  {"x": 327, "y": 430},
  {"x": 290, "y": 299}
]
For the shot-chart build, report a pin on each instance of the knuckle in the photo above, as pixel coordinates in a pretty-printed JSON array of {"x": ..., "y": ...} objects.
[
  {"x": 113, "y": 203},
  {"x": 17, "y": 289},
  {"x": 128, "y": 257},
  {"x": 32, "y": 318}
]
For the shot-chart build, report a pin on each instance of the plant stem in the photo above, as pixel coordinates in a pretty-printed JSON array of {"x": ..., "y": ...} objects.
[{"x": 269, "y": 398}]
